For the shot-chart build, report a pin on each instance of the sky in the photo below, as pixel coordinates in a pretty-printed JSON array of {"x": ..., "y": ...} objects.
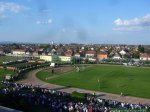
[{"x": 75, "y": 21}]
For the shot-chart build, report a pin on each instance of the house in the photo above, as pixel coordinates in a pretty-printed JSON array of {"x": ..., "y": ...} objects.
[
  {"x": 65, "y": 58},
  {"x": 77, "y": 55},
  {"x": 40, "y": 51},
  {"x": 18, "y": 52},
  {"x": 60, "y": 52},
  {"x": 144, "y": 57},
  {"x": 116, "y": 56},
  {"x": 111, "y": 54},
  {"x": 35, "y": 53},
  {"x": 69, "y": 52},
  {"x": 122, "y": 52},
  {"x": 82, "y": 53},
  {"x": 92, "y": 59},
  {"x": 92, "y": 48},
  {"x": 82, "y": 48},
  {"x": 102, "y": 55},
  {"x": 29, "y": 52},
  {"x": 55, "y": 58},
  {"x": 90, "y": 54},
  {"x": 49, "y": 58},
  {"x": 103, "y": 49},
  {"x": 53, "y": 51}
]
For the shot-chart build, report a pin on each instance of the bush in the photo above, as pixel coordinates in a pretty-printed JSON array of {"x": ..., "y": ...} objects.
[{"x": 79, "y": 96}]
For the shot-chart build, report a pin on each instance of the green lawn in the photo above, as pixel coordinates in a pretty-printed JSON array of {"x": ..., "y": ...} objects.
[
  {"x": 8, "y": 58},
  {"x": 44, "y": 75},
  {"x": 4, "y": 72},
  {"x": 132, "y": 81}
]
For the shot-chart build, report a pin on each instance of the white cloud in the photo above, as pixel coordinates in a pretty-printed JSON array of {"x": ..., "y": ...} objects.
[
  {"x": 135, "y": 24},
  {"x": 131, "y": 28},
  {"x": 120, "y": 22},
  {"x": 11, "y": 7},
  {"x": 49, "y": 21}
]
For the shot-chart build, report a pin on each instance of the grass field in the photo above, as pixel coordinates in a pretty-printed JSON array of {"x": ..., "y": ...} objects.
[
  {"x": 8, "y": 58},
  {"x": 132, "y": 81},
  {"x": 2, "y": 75},
  {"x": 4, "y": 72}
]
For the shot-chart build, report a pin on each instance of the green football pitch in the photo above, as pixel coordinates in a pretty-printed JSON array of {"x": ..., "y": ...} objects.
[
  {"x": 4, "y": 72},
  {"x": 132, "y": 81}
]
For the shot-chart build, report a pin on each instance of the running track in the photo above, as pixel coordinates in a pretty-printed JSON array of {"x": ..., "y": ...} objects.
[{"x": 32, "y": 79}]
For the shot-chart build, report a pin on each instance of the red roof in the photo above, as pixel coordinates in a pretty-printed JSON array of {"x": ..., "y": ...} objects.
[
  {"x": 90, "y": 52},
  {"x": 144, "y": 55}
]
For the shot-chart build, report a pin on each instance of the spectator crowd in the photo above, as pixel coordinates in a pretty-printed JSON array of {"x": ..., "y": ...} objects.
[{"x": 58, "y": 101}]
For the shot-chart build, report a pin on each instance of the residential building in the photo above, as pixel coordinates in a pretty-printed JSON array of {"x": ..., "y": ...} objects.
[
  {"x": 102, "y": 55},
  {"x": 65, "y": 58},
  {"x": 69, "y": 52},
  {"x": 90, "y": 54},
  {"x": 122, "y": 52},
  {"x": 55, "y": 58},
  {"x": 18, "y": 52},
  {"x": 116, "y": 56},
  {"x": 144, "y": 57},
  {"x": 48, "y": 58},
  {"x": 77, "y": 55}
]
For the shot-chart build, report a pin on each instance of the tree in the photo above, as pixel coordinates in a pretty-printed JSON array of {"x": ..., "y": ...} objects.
[
  {"x": 141, "y": 49},
  {"x": 110, "y": 50},
  {"x": 86, "y": 60},
  {"x": 136, "y": 55},
  {"x": 127, "y": 56}
]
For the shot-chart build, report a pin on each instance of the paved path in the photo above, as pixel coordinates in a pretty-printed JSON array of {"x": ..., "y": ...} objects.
[{"x": 32, "y": 79}]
